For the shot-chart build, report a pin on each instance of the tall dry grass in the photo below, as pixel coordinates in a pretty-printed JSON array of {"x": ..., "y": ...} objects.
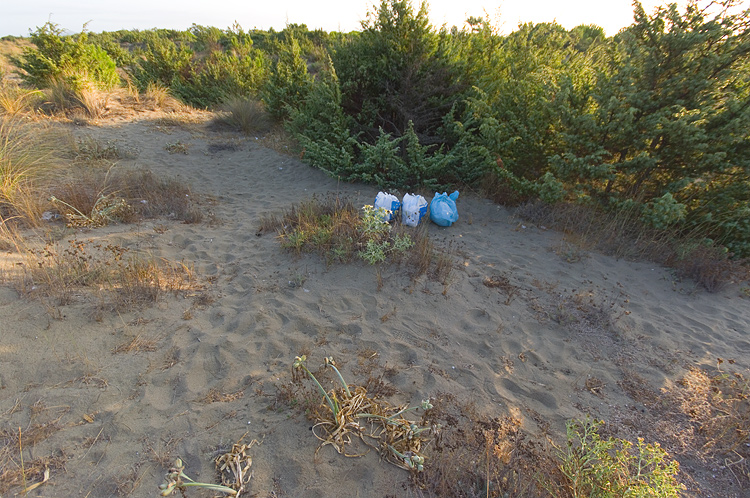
[
  {"x": 27, "y": 154},
  {"x": 245, "y": 114},
  {"x": 15, "y": 100},
  {"x": 81, "y": 98}
]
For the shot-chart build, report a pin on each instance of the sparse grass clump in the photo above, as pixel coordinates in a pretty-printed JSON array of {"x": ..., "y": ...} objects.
[
  {"x": 26, "y": 155},
  {"x": 91, "y": 192},
  {"x": 16, "y": 100},
  {"x": 158, "y": 96},
  {"x": 29, "y": 472},
  {"x": 93, "y": 197}
]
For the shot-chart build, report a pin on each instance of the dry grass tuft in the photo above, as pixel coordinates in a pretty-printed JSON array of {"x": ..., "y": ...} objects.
[
  {"x": 27, "y": 155},
  {"x": 137, "y": 345},
  {"x": 34, "y": 470},
  {"x": 245, "y": 114},
  {"x": 158, "y": 97},
  {"x": 122, "y": 281},
  {"x": 76, "y": 100},
  {"x": 15, "y": 100},
  {"x": 710, "y": 266},
  {"x": 216, "y": 396},
  {"x": 279, "y": 140},
  {"x": 88, "y": 196}
]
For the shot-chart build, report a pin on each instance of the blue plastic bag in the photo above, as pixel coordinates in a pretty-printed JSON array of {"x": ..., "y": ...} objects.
[{"x": 443, "y": 211}]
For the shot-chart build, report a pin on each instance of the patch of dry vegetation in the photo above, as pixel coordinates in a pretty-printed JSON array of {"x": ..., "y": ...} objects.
[
  {"x": 57, "y": 273},
  {"x": 18, "y": 469},
  {"x": 44, "y": 175},
  {"x": 623, "y": 235},
  {"x": 476, "y": 456},
  {"x": 28, "y": 154},
  {"x": 340, "y": 233},
  {"x": 462, "y": 453},
  {"x": 715, "y": 417}
]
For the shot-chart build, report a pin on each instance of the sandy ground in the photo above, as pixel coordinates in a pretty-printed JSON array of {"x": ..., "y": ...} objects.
[{"x": 569, "y": 334}]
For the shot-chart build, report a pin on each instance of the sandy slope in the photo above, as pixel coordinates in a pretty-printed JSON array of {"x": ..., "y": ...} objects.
[{"x": 526, "y": 349}]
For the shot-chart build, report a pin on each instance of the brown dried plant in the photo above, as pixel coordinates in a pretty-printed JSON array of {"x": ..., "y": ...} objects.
[{"x": 350, "y": 414}]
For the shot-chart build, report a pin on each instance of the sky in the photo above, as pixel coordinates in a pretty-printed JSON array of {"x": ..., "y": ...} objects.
[{"x": 18, "y": 16}]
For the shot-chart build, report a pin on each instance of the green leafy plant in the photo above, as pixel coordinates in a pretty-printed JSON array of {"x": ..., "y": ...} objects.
[
  {"x": 609, "y": 468},
  {"x": 374, "y": 221},
  {"x": 375, "y": 252}
]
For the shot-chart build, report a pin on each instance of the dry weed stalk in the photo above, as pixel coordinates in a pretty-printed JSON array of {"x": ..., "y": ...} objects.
[
  {"x": 17, "y": 471},
  {"x": 350, "y": 413}
]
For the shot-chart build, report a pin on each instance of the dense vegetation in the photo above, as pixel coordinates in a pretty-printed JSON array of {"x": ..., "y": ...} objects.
[{"x": 654, "y": 120}]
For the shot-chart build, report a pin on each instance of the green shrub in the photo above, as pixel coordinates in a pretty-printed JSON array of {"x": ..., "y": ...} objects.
[
  {"x": 162, "y": 62},
  {"x": 396, "y": 71},
  {"x": 206, "y": 79},
  {"x": 289, "y": 82},
  {"x": 398, "y": 162},
  {"x": 72, "y": 59},
  {"x": 322, "y": 129},
  {"x": 220, "y": 76},
  {"x": 664, "y": 212},
  {"x": 613, "y": 468}
]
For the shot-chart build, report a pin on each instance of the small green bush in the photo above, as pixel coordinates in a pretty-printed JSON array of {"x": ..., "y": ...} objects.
[
  {"x": 322, "y": 129},
  {"x": 72, "y": 59},
  {"x": 162, "y": 62},
  {"x": 664, "y": 212},
  {"x": 615, "y": 468}
]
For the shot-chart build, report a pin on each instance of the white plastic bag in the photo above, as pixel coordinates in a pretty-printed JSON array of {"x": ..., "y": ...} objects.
[
  {"x": 413, "y": 209},
  {"x": 389, "y": 202}
]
